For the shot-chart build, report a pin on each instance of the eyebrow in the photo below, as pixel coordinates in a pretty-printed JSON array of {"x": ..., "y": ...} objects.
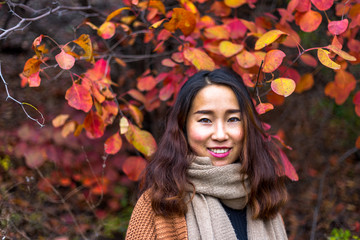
[{"x": 229, "y": 111}]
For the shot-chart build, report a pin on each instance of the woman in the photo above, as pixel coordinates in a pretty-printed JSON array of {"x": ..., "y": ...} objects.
[{"x": 215, "y": 173}]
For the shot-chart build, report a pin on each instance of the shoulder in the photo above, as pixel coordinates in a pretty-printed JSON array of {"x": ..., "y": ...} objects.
[{"x": 141, "y": 225}]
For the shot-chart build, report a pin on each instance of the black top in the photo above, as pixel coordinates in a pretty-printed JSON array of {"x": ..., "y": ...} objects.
[{"x": 238, "y": 221}]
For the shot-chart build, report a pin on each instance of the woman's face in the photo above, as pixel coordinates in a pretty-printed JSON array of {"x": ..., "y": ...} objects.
[{"x": 214, "y": 128}]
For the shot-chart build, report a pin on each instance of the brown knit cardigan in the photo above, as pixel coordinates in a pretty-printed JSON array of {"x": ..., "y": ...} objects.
[{"x": 146, "y": 225}]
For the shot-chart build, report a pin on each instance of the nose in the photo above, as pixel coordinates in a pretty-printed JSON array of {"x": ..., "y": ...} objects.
[{"x": 220, "y": 132}]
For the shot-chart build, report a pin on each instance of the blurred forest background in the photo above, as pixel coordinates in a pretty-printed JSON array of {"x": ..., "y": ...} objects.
[{"x": 59, "y": 182}]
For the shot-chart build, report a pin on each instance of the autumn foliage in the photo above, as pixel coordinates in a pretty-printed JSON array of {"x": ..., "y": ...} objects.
[{"x": 266, "y": 51}]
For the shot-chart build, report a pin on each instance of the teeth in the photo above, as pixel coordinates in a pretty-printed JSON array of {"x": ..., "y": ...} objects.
[{"x": 223, "y": 150}]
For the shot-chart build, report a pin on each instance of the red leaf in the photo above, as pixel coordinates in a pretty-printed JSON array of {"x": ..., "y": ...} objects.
[
  {"x": 357, "y": 143},
  {"x": 356, "y": 99},
  {"x": 79, "y": 97},
  {"x": 338, "y": 27},
  {"x": 273, "y": 60},
  {"x": 166, "y": 92},
  {"x": 303, "y": 5},
  {"x": 146, "y": 83},
  {"x": 133, "y": 167},
  {"x": 113, "y": 144},
  {"x": 323, "y": 5},
  {"x": 309, "y": 60},
  {"x": 34, "y": 80},
  {"x": 289, "y": 169},
  {"x": 94, "y": 125}
]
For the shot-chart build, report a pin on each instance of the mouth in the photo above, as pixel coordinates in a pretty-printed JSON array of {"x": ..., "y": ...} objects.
[{"x": 219, "y": 152}]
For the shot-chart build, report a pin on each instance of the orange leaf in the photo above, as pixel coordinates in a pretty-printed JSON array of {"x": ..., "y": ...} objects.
[
  {"x": 323, "y": 5},
  {"x": 306, "y": 83},
  {"x": 158, "y": 5},
  {"x": 283, "y": 86},
  {"x": 234, "y": 3},
  {"x": 133, "y": 167},
  {"x": 68, "y": 128},
  {"x": 217, "y": 32},
  {"x": 310, "y": 21},
  {"x": 146, "y": 83},
  {"x": 84, "y": 42},
  {"x": 142, "y": 140},
  {"x": 59, "y": 120},
  {"x": 110, "y": 110},
  {"x": 338, "y": 27},
  {"x": 183, "y": 20},
  {"x": 65, "y": 61},
  {"x": 309, "y": 60},
  {"x": 324, "y": 58},
  {"x": 94, "y": 125},
  {"x": 107, "y": 30},
  {"x": 264, "y": 107},
  {"x": 115, "y": 13},
  {"x": 357, "y": 143},
  {"x": 168, "y": 62},
  {"x": 341, "y": 88},
  {"x": 268, "y": 38},
  {"x": 137, "y": 95},
  {"x": 341, "y": 53},
  {"x": 124, "y": 125},
  {"x": 274, "y": 98},
  {"x": 79, "y": 97},
  {"x": 199, "y": 59},
  {"x": 246, "y": 59},
  {"x": 113, "y": 144},
  {"x": 273, "y": 60},
  {"x": 229, "y": 49},
  {"x": 32, "y": 66}
]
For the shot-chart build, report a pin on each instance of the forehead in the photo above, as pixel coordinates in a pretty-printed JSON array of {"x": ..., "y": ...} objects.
[{"x": 215, "y": 96}]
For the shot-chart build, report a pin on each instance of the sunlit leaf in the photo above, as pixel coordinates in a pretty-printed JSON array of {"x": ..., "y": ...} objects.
[
  {"x": 65, "y": 61},
  {"x": 246, "y": 59},
  {"x": 234, "y": 3},
  {"x": 341, "y": 53},
  {"x": 115, "y": 13},
  {"x": 142, "y": 140},
  {"x": 59, "y": 120},
  {"x": 133, "y": 167},
  {"x": 183, "y": 20},
  {"x": 338, "y": 27},
  {"x": 94, "y": 125},
  {"x": 158, "y": 5},
  {"x": 310, "y": 21},
  {"x": 113, "y": 144},
  {"x": 199, "y": 59},
  {"x": 324, "y": 58},
  {"x": 268, "y": 38},
  {"x": 217, "y": 32},
  {"x": 107, "y": 30},
  {"x": 68, "y": 128},
  {"x": 124, "y": 125},
  {"x": 136, "y": 114},
  {"x": 262, "y": 108},
  {"x": 84, "y": 42},
  {"x": 306, "y": 82},
  {"x": 273, "y": 60},
  {"x": 283, "y": 86},
  {"x": 79, "y": 97},
  {"x": 32, "y": 66},
  {"x": 228, "y": 49},
  {"x": 323, "y": 5}
]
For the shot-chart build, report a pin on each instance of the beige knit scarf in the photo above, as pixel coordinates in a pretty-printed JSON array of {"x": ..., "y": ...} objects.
[{"x": 206, "y": 219}]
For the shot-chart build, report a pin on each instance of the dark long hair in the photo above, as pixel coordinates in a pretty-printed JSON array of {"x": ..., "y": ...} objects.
[{"x": 165, "y": 175}]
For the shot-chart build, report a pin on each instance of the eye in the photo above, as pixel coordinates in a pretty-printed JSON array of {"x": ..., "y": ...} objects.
[
  {"x": 204, "y": 120},
  {"x": 234, "y": 119}
]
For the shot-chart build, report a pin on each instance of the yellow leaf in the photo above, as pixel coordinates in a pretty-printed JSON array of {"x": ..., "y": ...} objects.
[
  {"x": 142, "y": 140},
  {"x": 268, "y": 38},
  {"x": 341, "y": 53},
  {"x": 157, "y": 24},
  {"x": 324, "y": 58},
  {"x": 246, "y": 59},
  {"x": 217, "y": 32},
  {"x": 136, "y": 114},
  {"x": 234, "y": 3},
  {"x": 124, "y": 125},
  {"x": 68, "y": 128},
  {"x": 283, "y": 86},
  {"x": 115, "y": 13},
  {"x": 106, "y": 30},
  {"x": 229, "y": 49},
  {"x": 199, "y": 59},
  {"x": 84, "y": 42}
]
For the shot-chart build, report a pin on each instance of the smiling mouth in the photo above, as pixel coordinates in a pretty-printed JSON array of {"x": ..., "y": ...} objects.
[{"x": 219, "y": 152}]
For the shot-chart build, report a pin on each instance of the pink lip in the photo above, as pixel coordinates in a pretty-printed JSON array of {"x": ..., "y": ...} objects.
[{"x": 219, "y": 155}]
